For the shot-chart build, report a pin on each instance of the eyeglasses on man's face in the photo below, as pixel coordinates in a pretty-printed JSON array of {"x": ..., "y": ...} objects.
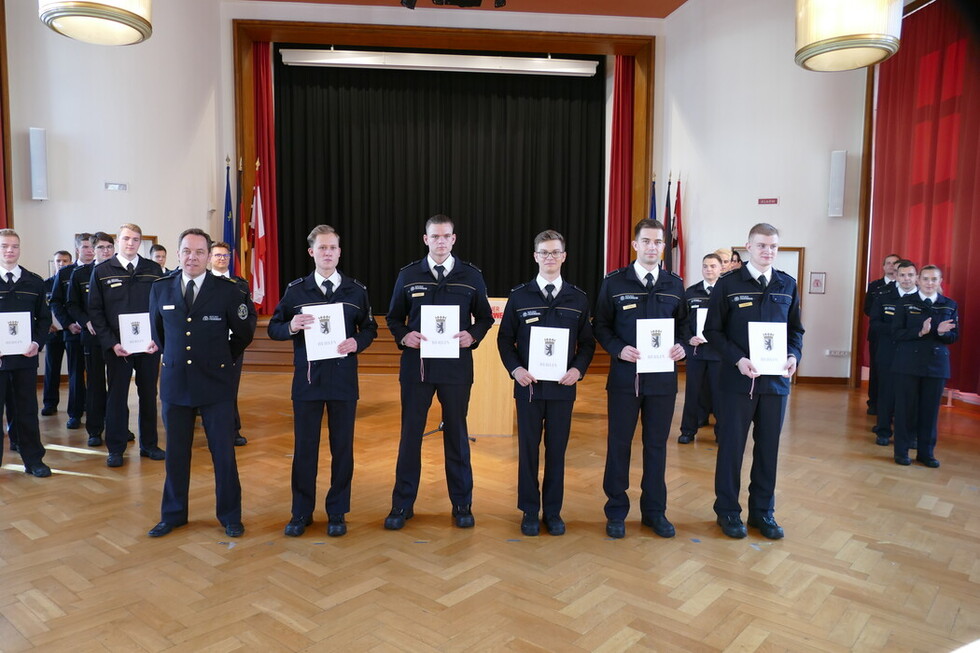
[{"x": 546, "y": 255}]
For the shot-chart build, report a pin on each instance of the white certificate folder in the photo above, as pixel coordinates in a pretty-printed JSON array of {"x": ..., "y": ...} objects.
[
  {"x": 548, "y": 353},
  {"x": 654, "y": 339},
  {"x": 16, "y": 335},
  {"x": 326, "y": 333},
  {"x": 767, "y": 347},
  {"x": 439, "y": 325},
  {"x": 134, "y": 332}
]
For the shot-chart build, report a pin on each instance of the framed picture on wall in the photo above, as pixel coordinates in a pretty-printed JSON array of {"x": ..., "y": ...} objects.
[
  {"x": 145, "y": 244},
  {"x": 818, "y": 283}
]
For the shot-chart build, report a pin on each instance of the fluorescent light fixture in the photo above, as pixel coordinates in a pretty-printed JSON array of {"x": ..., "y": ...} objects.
[
  {"x": 110, "y": 22},
  {"x": 833, "y": 35},
  {"x": 441, "y": 62}
]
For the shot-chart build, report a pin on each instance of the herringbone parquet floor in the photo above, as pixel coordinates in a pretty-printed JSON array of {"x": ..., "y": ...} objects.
[{"x": 877, "y": 557}]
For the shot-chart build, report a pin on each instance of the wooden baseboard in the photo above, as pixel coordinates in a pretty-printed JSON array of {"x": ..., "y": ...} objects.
[{"x": 823, "y": 380}]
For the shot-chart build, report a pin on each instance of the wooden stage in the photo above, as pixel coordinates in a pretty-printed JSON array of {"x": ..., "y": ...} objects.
[{"x": 877, "y": 557}]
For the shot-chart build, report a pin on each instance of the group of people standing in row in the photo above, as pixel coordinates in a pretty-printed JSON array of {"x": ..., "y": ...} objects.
[
  {"x": 911, "y": 324},
  {"x": 201, "y": 321}
]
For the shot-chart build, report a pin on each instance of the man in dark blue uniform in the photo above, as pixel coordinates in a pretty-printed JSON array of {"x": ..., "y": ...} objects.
[
  {"x": 330, "y": 382},
  {"x": 876, "y": 287},
  {"x": 120, "y": 286},
  {"x": 756, "y": 292},
  {"x": 546, "y": 301},
  {"x": 159, "y": 255},
  {"x": 926, "y": 322},
  {"x": 440, "y": 279},
  {"x": 192, "y": 314},
  {"x": 701, "y": 385},
  {"x": 54, "y": 345},
  {"x": 77, "y": 308},
  {"x": 638, "y": 291},
  {"x": 71, "y": 330},
  {"x": 22, "y": 291},
  {"x": 220, "y": 266},
  {"x": 883, "y": 313}
]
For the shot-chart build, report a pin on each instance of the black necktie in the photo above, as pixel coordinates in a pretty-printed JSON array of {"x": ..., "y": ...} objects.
[
  {"x": 928, "y": 302},
  {"x": 550, "y": 289},
  {"x": 327, "y": 289},
  {"x": 441, "y": 272},
  {"x": 649, "y": 279},
  {"x": 707, "y": 289},
  {"x": 762, "y": 281},
  {"x": 10, "y": 279},
  {"x": 188, "y": 293},
  {"x": 130, "y": 268}
]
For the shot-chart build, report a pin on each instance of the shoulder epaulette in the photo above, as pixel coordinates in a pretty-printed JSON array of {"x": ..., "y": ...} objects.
[
  {"x": 725, "y": 274},
  {"x": 675, "y": 275},
  {"x": 363, "y": 287},
  {"x": 295, "y": 281},
  {"x": 224, "y": 278},
  {"x": 470, "y": 265},
  {"x": 518, "y": 287},
  {"x": 574, "y": 287},
  {"x": 28, "y": 273},
  {"x": 405, "y": 267},
  {"x": 615, "y": 272}
]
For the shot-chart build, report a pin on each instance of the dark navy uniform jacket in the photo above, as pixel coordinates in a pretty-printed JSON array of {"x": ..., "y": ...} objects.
[
  {"x": 77, "y": 303},
  {"x": 883, "y": 312},
  {"x": 464, "y": 287},
  {"x": 697, "y": 297},
  {"x": 737, "y": 300},
  {"x": 28, "y": 296},
  {"x": 199, "y": 356},
  {"x": 623, "y": 300},
  {"x": 59, "y": 300},
  {"x": 527, "y": 308},
  {"x": 928, "y": 355},
  {"x": 333, "y": 379},
  {"x": 875, "y": 288},
  {"x": 114, "y": 291}
]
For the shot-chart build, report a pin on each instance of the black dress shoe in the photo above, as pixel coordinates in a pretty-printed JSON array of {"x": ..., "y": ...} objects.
[
  {"x": 48, "y": 411},
  {"x": 732, "y": 526},
  {"x": 463, "y": 517},
  {"x": 153, "y": 453},
  {"x": 660, "y": 525},
  {"x": 554, "y": 524},
  {"x": 234, "y": 530},
  {"x": 41, "y": 470},
  {"x": 336, "y": 526},
  {"x": 297, "y": 526},
  {"x": 903, "y": 460},
  {"x": 114, "y": 460},
  {"x": 872, "y": 410},
  {"x": 131, "y": 436},
  {"x": 14, "y": 446},
  {"x": 163, "y": 528},
  {"x": 928, "y": 462},
  {"x": 240, "y": 441},
  {"x": 530, "y": 525},
  {"x": 73, "y": 423},
  {"x": 616, "y": 528},
  {"x": 95, "y": 441},
  {"x": 767, "y": 526},
  {"x": 882, "y": 440},
  {"x": 397, "y": 517},
  {"x": 686, "y": 438}
]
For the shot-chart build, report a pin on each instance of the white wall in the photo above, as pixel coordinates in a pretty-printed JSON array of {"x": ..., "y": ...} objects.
[{"x": 741, "y": 121}]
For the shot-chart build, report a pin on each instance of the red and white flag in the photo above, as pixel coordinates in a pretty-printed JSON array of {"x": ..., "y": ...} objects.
[
  {"x": 258, "y": 248},
  {"x": 678, "y": 232}
]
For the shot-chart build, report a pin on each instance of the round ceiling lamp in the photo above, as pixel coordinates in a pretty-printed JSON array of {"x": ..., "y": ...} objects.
[
  {"x": 834, "y": 35},
  {"x": 113, "y": 22}
]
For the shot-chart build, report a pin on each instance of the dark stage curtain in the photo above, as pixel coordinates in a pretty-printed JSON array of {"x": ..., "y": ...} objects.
[
  {"x": 375, "y": 153},
  {"x": 926, "y": 199}
]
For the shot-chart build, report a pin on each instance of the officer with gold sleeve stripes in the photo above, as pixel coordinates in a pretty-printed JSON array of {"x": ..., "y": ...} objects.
[{"x": 641, "y": 290}]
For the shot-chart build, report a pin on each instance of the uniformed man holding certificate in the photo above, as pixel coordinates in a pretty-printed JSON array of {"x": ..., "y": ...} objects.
[
  {"x": 328, "y": 317},
  {"x": 26, "y": 320},
  {"x": 638, "y": 319},
  {"x": 458, "y": 290},
  {"x": 546, "y": 344},
  {"x": 754, "y": 323}
]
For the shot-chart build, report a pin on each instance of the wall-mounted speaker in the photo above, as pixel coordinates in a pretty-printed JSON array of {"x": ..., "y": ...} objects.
[
  {"x": 39, "y": 163},
  {"x": 835, "y": 199}
]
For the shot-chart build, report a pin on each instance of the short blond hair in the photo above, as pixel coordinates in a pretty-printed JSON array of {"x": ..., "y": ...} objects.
[{"x": 131, "y": 227}]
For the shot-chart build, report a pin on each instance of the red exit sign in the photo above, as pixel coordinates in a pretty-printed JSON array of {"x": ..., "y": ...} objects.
[{"x": 768, "y": 200}]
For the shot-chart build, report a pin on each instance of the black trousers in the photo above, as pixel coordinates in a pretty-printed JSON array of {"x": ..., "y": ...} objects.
[
  {"x": 76, "y": 378},
  {"x": 764, "y": 412},
  {"x": 22, "y": 386},
  {"x": 917, "y": 400},
  {"x": 416, "y": 400},
  {"x": 218, "y": 427},
  {"x": 700, "y": 388},
  {"x": 873, "y": 373},
  {"x": 119, "y": 371},
  {"x": 553, "y": 417},
  {"x": 307, "y": 417},
  {"x": 885, "y": 403},
  {"x": 54, "y": 353},
  {"x": 95, "y": 391},
  {"x": 655, "y": 413}
]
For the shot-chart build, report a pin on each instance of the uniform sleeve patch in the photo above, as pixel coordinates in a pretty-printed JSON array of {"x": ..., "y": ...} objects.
[{"x": 242, "y": 311}]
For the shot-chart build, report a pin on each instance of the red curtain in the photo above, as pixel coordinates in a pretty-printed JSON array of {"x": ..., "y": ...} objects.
[
  {"x": 926, "y": 196},
  {"x": 265, "y": 151},
  {"x": 619, "y": 234}
]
